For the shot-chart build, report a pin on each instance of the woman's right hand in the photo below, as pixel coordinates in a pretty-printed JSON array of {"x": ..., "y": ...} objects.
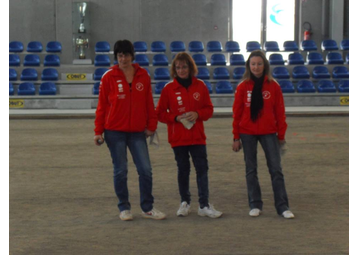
[
  {"x": 98, "y": 140},
  {"x": 236, "y": 146}
]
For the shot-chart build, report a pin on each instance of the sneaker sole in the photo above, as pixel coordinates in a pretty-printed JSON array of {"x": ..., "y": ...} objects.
[
  {"x": 126, "y": 219},
  {"x": 210, "y": 216},
  {"x": 151, "y": 217},
  {"x": 183, "y": 214}
]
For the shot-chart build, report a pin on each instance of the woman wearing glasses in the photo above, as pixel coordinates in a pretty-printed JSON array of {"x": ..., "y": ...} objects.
[{"x": 184, "y": 105}]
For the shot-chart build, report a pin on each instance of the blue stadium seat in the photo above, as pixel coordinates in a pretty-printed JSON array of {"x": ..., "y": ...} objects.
[
  {"x": 326, "y": 86},
  {"x": 32, "y": 60},
  {"x": 203, "y": 73},
  {"x": 141, "y": 59},
  {"x": 160, "y": 60},
  {"x": 308, "y": 45},
  {"x": 147, "y": 70},
  {"x": 11, "y": 89},
  {"x": 320, "y": 72},
  {"x": 214, "y": 46},
  {"x": 29, "y": 74},
  {"x": 340, "y": 72},
  {"x": 237, "y": 60},
  {"x": 329, "y": 44},
  {"x": 344, "y": 45},
  {"x": 305, "y": 86},
  {"x": 280, "y": 72},
  {"x": 161, "y": 73},
  {"x": 200, "y": 59},
  {"x": 47, "y": 88},
  {"x": 223, "y": 87},
  {"x": 286, "y": 86},
  {"x": 14, "y": 60},
  {"x": 208, "y": 85},
  {"x": 159, "y": 87},
  {"x": 315, "y": 58},
  {"x": 16, "y": 46},
  {"x": 34, "y": 46},
  {"x": 49, "y": 74},
  {"x": 26, "y": 88},
  {"x": 253, "y": 45},
  {"x": 12, "y": 74},
  {"x": 102, "y": 60},
  {"x": 295, "y": 59},
  {"x": 300, "y": 72},
  {"x": 343, "y": 86},
  {"x": 158, "y": 46},
  {"x": 102, "y": 46},
  {"x": 238, "y": 73},
  {"x": 54, "y": 46},
  {"x": 98, "y": 73},
  {"x": 95, "y": 89},
  {"x": 347, "y": 58},
  {"x": 334, "y": 58},
  {"x": 276, "y": 59},
  {"x": 218, "y": 59},
  {"x": 221, "y": 73},
  {"x": 177, "y": 46},
  {"x": 290, "y": 46},
  {"x": 140, "y": 46},
  {"x": 232, "y": 46},
  {"x": 196, "y": 46},
  {"x": 271, "y": 46},
  {"x": 52, "y": 60}
]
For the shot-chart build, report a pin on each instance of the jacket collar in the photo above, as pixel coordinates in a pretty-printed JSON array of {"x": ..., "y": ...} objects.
[
  {"x": 116, "y": 71},
  {"x": 178, "y": 85}
]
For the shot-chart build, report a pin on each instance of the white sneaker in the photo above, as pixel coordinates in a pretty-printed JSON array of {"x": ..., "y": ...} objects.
[
  {"x": 288, "y": 214},
  {"x": 209, "y": 212},
  {"x": 184, "y": 209},
  {"x": 154, "y": 214},
  {"x": 126, "y": 215},
  {"x": 255, "y": 212}
]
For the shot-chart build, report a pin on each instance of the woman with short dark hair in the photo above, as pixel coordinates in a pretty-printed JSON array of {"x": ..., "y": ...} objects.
[
  {"x": 259, "y": 116},
  {"x": 126, "y": 115}
]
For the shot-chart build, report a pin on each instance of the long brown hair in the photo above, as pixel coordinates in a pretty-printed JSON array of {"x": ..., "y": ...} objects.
[
  {"x": 185, "y": 57},
  {"x": 257, "y": 53}
]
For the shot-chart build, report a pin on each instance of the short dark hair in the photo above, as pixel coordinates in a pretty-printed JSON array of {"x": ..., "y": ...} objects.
[
  {"x": 123, "y": 46},
  {"x": 185, "y": 57}
]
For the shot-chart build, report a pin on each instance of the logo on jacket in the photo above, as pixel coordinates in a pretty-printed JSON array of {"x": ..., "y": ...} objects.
[
  {"x": 249, "y": 94},
  {"x": 180, "y": 102},
  {"x": 266, "y": 94},
  {"x": 139, "y": 86},
  {"x": 120, "y": 88},
  {"x": 196, "y": 96}
]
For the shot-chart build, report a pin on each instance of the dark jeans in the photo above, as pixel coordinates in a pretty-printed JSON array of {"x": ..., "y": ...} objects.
[
  {"x": 270, "y": 146},
  {"x": 117, "y": 143},
  {"x": 199, "y": 157}
]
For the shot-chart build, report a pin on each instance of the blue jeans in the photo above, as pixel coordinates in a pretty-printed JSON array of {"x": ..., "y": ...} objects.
[
  {"x": 117, "y": 143},
  {"x": 271, "y": 148},
  {"x": 199, "y": 157}
]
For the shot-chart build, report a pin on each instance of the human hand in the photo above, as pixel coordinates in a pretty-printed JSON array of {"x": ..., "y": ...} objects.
[
  {"x": 98, "y": 140},
  {"x": 148, "y": 133},
  {"x": 236, "y": 146},
  {"x": 191, "y": 116}
]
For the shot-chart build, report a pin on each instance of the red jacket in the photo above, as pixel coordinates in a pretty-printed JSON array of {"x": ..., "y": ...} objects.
[
  {"x": 122, "y": 107},
  {"x": 176, "y": 100},
  {"x": 272, "y": 118}
]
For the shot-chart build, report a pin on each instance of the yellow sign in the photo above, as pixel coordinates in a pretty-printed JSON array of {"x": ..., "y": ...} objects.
[
  {"x": 76, "y": 76},
  {"x": 16, "y": 103},
  {"x": 344, "y": 100}
]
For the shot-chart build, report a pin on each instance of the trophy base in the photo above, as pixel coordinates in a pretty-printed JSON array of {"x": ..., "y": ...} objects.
[{"x": 82, "y": 62}]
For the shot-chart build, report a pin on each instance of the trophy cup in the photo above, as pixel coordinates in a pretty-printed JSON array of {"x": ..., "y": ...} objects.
[
  {"x": 81, "y": 45},
  {"x": 82, "y": 10}
]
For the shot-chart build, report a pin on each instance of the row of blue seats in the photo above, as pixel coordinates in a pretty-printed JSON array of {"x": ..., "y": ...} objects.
[
  {"x": 222, "y": 87},
  {"x": 34, "y": 60},
  {"x": 298, "y": 72},
  {"x": 230, "y": 46},
  {"x": 35, "y": 46}
]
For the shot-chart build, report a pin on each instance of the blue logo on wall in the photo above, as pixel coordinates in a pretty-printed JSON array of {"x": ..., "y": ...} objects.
[{"x": 273, "y": 17}]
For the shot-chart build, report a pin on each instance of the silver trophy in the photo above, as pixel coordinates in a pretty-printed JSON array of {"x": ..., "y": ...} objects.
[
  {"x": 81, "y": 45},
  {"x": 82, "y": 10}
]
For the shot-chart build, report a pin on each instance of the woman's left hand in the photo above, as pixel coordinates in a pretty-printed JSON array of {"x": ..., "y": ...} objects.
[
  {"x": 148, "y": 133},
  {"x": 282, "y": 142},
  {"x": 191, "y": 116}
]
